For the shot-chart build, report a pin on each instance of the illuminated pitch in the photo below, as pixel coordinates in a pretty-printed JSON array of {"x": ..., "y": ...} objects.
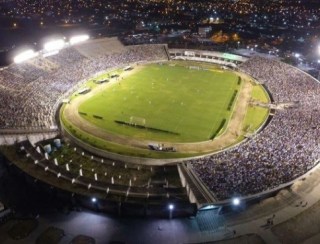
[{"x": 166, "y": 103}]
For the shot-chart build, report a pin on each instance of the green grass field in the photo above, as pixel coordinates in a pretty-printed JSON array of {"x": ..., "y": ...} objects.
[{"x": 188, "y": 104}]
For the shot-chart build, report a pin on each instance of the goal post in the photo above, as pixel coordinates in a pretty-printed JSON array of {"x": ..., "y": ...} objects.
[
  {"x": 137, "y": 121},
  {"x": 194, "y": 67}
]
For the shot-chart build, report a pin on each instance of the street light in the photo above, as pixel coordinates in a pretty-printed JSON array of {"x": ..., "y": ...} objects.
[
  {"x": 236, "y": 201},
  {"x": 171, "y": 208},
  {"x": 93, "y": 199}
]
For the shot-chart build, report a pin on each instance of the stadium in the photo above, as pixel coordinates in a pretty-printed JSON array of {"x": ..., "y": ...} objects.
[{"x": 145, "y": 127}]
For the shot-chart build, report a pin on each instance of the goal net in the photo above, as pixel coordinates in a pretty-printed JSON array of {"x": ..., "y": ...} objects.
[{"x": 137, "y": 121}]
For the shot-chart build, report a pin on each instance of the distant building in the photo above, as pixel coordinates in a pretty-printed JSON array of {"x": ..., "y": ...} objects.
[{"x": 203, "y": 31}]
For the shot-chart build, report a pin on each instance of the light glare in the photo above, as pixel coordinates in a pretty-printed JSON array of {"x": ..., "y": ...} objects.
[
  {"x": 54, "y": 45},
  {"x": 24, "y": 56},
  {"x": 236, "y": 201},
  {"x": 77, "y": 39}
]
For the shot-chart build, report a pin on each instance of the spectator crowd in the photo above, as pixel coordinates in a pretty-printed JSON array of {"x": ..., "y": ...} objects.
[
  {"x": 286, "y": 149},
  {"x": 29, "y": 92}
]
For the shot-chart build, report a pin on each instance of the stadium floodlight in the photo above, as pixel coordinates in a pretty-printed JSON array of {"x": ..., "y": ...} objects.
[
  {"x": 54, "y": 45},
  {"x": 235, "y": 201},
  {"x": 24, "y": 56},
  {"x": 77, "y": 39},
  {"x": 48, "y": 54}
]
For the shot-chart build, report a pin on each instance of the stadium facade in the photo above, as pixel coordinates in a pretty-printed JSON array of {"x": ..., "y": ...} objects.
[{"x": 32, "y": 92}]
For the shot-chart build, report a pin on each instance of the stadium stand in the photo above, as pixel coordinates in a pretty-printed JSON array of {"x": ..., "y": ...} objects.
[
  {"x": 100, "y": 47},
  {"x": 286, "y": 149},
  {"x": 113, "y": 177},
  {"x": 29, "y": 94},
  {"x": 225, "y": 59}
]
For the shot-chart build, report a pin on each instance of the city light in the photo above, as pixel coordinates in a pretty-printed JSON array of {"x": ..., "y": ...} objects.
[
  {"x": 54, "y": 45},
  {"x": 93, "y": 199},
  {"x": 24, "y": 56},
  {"x": 78, "y": 39}
]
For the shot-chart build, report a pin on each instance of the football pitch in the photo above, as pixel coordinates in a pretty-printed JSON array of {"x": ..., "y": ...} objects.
[{"x": 165, "y": 103}]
